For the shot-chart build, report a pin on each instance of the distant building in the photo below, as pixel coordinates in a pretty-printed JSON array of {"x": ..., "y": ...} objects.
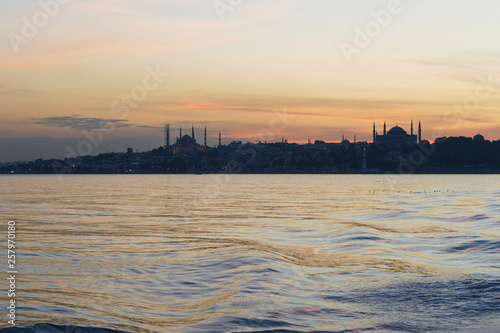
[
  {"x": 478, "y": 137},
  {"x": 397, "y": 136},
  {"x": 186, "y": 144}
]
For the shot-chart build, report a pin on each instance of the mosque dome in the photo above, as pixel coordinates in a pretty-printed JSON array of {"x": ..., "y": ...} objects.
[
  {"x": 479, "y": 137},
  {"x": 397, "y": 130}
]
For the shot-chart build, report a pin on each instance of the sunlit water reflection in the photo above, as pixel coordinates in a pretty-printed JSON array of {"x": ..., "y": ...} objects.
[{"x": 248, "y": 253}]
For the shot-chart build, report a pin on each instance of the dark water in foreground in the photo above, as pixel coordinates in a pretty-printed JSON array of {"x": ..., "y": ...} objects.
[{"x": 245, "y": 253}]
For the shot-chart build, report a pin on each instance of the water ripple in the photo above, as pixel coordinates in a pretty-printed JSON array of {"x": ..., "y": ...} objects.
[{"x": 263, "y": 254}]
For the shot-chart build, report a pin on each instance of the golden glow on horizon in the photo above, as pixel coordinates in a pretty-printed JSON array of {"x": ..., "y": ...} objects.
[{"x": 234, "y": 74}]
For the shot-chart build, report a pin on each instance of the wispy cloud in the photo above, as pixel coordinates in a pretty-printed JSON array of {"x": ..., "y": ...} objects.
[
  {"x": 158, "y": 128},
  {"x": 81, "y": 123},
  {"x": 463, "y": 66},
  {"x": 321, "y": 107},
  {"x": 18, "y": 91}
]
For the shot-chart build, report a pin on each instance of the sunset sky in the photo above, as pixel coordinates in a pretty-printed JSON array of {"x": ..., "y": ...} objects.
[{"x": 277, "y": 67}]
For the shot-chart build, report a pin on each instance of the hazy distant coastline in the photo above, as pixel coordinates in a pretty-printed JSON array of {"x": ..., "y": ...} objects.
[{"x": 455, "y": 155}]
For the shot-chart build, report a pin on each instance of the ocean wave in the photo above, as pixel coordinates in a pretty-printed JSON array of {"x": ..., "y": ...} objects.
[{"x": 50, "y": 328}]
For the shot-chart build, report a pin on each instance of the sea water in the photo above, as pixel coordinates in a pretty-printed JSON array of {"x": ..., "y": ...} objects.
[{"x": 254, "y": 253}]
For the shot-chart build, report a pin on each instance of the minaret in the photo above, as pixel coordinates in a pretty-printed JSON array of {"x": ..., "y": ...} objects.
[
  {"x": 354, "y": 138},
  {"x": 385, "y": 128},
  {"x": 419, "y": 132},
  {"x": 167, "y": 135},
  {"x": 180, "y": 132},
  {"x": 412, "y": 127},
  {"x": 205, "y": 136},
  {"x": 374, "y": 133},
  {"x": 220, "y": 140},
  {"x": 342, "y": 137},
  {"x": 192, "y": 132}
]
